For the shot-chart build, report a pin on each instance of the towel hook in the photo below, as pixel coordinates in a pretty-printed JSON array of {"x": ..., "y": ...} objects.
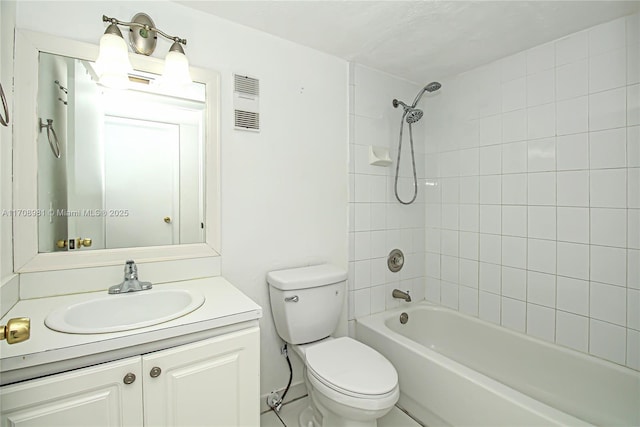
[
  {"x": 55, "y": 145},
  {"x": 4, "y": 121}
]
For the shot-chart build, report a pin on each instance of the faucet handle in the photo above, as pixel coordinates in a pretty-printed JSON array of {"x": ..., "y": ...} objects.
[{"x": 130, "y": 269}]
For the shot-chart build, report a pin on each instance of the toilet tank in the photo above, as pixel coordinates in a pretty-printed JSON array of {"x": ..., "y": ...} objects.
[{"x": 306, "y": 302}]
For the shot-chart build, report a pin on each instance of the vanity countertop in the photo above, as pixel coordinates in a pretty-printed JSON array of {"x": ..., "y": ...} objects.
[{"x": 224, "y": 307}]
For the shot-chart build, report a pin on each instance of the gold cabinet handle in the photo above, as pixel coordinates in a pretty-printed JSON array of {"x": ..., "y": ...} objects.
[
  {"x": 16, "y": 330},
  {"x": 86, "y": 242},
  {"x": 167, "y": 219}
]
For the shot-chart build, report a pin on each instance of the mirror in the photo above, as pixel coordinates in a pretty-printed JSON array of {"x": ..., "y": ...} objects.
[
  {"x": 117, "y": 168},
  {"x": 128, "y": 160}
]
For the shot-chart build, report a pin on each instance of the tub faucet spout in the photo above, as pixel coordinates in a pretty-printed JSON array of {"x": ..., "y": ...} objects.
[{"x": 397, "y": 293}]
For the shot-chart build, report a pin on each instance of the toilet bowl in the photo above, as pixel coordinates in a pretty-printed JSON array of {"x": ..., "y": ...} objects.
[{"x": 349, "y": 383}]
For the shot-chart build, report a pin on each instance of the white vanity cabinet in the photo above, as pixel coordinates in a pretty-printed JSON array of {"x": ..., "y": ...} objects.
[{"x": 213, "y": 382}]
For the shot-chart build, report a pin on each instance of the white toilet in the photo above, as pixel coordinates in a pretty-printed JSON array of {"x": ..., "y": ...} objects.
[{"x": 349, "y": 383}]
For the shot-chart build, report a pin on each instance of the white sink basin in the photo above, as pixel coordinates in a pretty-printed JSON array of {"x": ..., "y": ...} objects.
[{"x": 122, "y": 312}]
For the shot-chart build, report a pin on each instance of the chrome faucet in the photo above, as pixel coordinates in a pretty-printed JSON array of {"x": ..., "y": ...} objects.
[
  {"x": 397, "y": 293},
  {"x": 131, "y": 282}
]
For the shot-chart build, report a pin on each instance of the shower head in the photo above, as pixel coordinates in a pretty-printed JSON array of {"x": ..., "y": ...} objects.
[
  {"x": 431, "y": 87},
  {"x": 413, "y": 115}
]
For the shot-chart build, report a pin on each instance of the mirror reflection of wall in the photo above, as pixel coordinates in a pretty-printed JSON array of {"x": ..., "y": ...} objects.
[{"x": 131, "y": 167}]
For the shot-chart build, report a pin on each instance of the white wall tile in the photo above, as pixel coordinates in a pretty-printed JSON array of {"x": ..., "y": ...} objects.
[
  {"x": 607, "y": 109},
  {"x": 490, "y": 248},
  {"x": 449, "y": 295},
  {"x": 490, "y": 189},
  {"x": 572, "y": 116},
  {"x": 514, "y": 126},
  {"x": 490, "y": 219},
  {"x": 514, "y": 252},
  {"x": 489, "y": 307},
  {"x": 378, "y": 216},
  {"x": 572, "y": 80},
  {"x": 489, "y": 279},
  {"x": 609, "y": 227},
  {"x": 541, "y": 322},
  {"x": 606, "y": 37},
  {"x": 608, "y": 188},
  {"x": 608, "y": 265},
  {"x": 513, "y": 67},
  {"x": 607, "y": 341},
  {"x": 514, "y": 189},
  {"x": 607, "y": 149},
  {"x": 378, "y": 244},
  {"x": 362, "y": 245},
  {"x": 491, "y": 160},
  {"x": 490, "y": 130},
  {"x": 542, "y": 222},
  {"x": 449, "y": 242},
  {"x": 362, "y": 216},
  {"x": 541, "y": 57},
  {"x": 633, "y": 105},
  {"x": 573, "y": 188},
  {"x": 572, "y": 48},
  {"x": 633, "y": 63},
  {"x": 469, "y": 217},
  {"x": 449, "y": 268},
  {"x": 541, "y": 88},
  {"x": 514, "y": 157},
  {"x": 541, "y": 121},
  {"x": 362, "y": 188},
  {"x": 572, "y": 331},
  {"x": 378, "y": 271},
  {"x": 362, "y": 302},
  {"x": 608, "y": 303},
  {"x": 432, "y": 265},
  {"x": 378, "y": 299},
  {"x": 450, "y": 217},
  {"x": 608, "y": 70},
  {"x": 633, "y": 29},
  {"x": 514, "y": 94},
  {"x": 572, "y": 151},
  {"x": 573, "y": 225},
  {"x": 573, "y": 260},
  {"x": 633, "y": 309},
  {"x": 432, "y": 292},
  {"x": 468, "y": 275},
  {"x": 541, "y": 289},
  {"x": 469, "y": 245},
  {"x": 541, "y": 155},
  {"x": 573, "y": 295},
  {"x": 469, "y": 162},
  {"x": 468, "y": 300},
  {"x": 514, "y": 314},
  {"x": 514, "y": 283},
  {"x": 514, "y": 220},
  {"x": 541, "y": 188},
  {"x": 633, "y": 268},
  {"x": 362, "y": 274},
  {"x": 378, "y": 188},
  {"x": 633, "y": 188},
  {"x": 633, "y": 228},
  {"x": 469, "y": 189},
  {"x": 541, "y": 255},
  {"x": 633, "y": 349}
]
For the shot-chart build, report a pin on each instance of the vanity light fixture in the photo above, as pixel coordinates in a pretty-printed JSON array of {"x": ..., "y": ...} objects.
[{"x": 113, "y": 63}]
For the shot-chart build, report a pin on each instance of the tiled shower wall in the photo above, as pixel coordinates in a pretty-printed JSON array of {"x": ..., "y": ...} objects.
[
  {"x": 378, "y": 223},
  {"x": 533, "y": 218}
]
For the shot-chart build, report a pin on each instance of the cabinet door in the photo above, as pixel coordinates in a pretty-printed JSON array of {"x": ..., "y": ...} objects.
[
  {"x": 93, "y": 396},
  {"x": 214, "y": 382}
]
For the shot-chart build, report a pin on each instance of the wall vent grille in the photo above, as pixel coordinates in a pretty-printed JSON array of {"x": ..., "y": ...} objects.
[
  {"x": 246, "y": 102},
  {"x": 247, "y": 85},
  {"x": 247, "y": 120}
]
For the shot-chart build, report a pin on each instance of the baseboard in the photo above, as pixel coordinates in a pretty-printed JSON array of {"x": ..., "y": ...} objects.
[{"x": 296, "y": 391}]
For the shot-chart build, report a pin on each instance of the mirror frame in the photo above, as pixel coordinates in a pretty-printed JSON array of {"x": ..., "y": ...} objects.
[{"x": 26, "y": 258}]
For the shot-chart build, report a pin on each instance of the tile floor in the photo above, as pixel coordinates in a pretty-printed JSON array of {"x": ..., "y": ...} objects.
[{"x": 289, "y": 414}]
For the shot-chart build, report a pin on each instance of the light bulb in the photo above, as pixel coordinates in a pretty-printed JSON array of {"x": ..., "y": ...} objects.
[
  {"x": 113, "y": 64},
  {"x": 176, "y": 67}
]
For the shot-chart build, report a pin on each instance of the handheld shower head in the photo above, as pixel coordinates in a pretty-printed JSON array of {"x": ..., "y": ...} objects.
[{"x": 431, "y": 87}]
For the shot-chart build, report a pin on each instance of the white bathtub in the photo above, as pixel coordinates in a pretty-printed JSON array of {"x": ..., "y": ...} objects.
[{"x": 458, "y": 370}]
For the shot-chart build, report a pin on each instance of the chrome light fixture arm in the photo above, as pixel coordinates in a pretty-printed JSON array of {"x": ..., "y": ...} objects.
[{"x": 146, "y": 26}]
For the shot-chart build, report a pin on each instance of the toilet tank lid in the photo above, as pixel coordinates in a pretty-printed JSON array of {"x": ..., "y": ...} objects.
[{"x": 306, "y": 277}]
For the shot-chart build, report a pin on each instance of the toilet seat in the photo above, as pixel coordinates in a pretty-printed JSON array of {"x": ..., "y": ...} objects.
[{"x": 349, "y": 367}]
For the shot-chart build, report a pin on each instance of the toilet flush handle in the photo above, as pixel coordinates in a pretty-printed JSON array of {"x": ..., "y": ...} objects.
[{"x": 292, "y": 299}]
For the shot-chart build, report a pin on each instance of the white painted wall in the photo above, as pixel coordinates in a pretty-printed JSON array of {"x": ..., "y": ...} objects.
[
  {"x": 8, "y": 281},
  {"x": 378, "y": 223},
  {"x": 284, "y": 190},
  {"x": 535, "y": 222}
]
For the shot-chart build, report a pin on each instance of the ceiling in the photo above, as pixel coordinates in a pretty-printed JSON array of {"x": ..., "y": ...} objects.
[{"x": 418, "y": 40}]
